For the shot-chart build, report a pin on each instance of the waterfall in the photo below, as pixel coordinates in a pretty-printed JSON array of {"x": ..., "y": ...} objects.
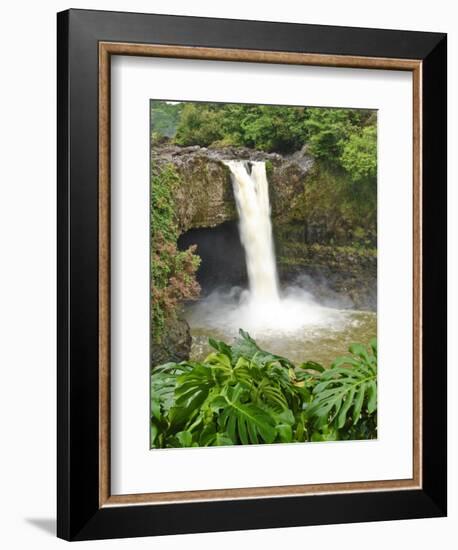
[
  {"x": 260, "y": 310},
  {"x": 251, "y": 190}
]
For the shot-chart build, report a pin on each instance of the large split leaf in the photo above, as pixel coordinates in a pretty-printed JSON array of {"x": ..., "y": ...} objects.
[
  {"x": 346, "y": 390},
  {"x": 245, "y": 346},
  {"x": 243, "y": 422},
  {"x": 163, "y": 383},
  {"x": 211, "y": 436},
  {"x": 242, "y": 394},
  {"x": 191, "y": 390}
]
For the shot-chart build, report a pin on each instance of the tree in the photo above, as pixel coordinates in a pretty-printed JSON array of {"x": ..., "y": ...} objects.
[
  {"x": 359, "y": 155},
  {"x": 165, "y": 117},
  {"x": 344, "y": 139},
  {"x": 199, "y": 125}
]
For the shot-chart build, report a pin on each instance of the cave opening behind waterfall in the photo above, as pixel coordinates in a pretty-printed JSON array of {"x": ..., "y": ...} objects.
[{"x": 222, "y": 256}]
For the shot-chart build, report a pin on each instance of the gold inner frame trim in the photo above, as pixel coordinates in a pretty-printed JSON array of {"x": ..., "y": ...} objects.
[{"x": 106, "y": 50}]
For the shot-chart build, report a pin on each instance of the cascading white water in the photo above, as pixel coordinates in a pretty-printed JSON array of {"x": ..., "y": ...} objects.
[
  {"x": 274, "y": 319},
  {"x": 251, "y": 191}
]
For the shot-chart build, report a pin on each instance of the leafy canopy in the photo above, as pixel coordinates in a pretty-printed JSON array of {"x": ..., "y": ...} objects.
[
  {"x": 344, "y": 138},
  {"x": 165, "y": 117}
]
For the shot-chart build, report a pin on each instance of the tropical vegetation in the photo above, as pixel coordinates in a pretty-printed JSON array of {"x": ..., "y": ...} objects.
[
  {"x": 345, "y": 139},
  {"x": 173, "y": 271},
  {"x": 242, "y": 394}
]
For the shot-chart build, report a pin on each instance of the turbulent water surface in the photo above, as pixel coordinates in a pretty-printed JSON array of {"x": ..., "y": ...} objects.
[{"x": 297, "y": 327}]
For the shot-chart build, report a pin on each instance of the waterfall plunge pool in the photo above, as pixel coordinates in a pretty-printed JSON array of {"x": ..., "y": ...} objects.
[{"x": 296, "y": 326}]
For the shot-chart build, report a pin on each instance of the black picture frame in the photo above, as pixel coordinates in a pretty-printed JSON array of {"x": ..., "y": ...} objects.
[{"x": 79, "y": 515}]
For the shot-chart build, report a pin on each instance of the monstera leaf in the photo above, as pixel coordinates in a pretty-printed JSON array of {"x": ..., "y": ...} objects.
[
  {"x": 246, "y": 347},
  {"x": 243, "y": 422},
  {"x": 221, "y": 347},
  {"x": 210, "y": 436},
  {"x": 347, "y": 389},
  {"x": 242, "y": 394},
  {"x": 191, "y": 390},
  {"x": 163, "y": 383}
]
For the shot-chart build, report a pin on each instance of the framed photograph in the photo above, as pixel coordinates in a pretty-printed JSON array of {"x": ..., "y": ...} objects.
[{"x": 252, "y": 274}]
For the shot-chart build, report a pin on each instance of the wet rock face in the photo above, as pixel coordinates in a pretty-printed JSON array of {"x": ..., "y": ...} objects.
[
  {"x": 346, "y": 276},
  {"x": 205, "y": 197},
  {"x": 180, "y": 155},
  {"x": 175, "y": 344},
  {"x": 286, "y": 182}
]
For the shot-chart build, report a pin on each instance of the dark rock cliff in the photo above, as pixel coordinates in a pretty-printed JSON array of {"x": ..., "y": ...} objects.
[{"x": 205, "y": 198}]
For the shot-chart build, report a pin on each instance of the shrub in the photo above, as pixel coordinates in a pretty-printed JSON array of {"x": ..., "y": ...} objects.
[{"x": 359, "y": 155}]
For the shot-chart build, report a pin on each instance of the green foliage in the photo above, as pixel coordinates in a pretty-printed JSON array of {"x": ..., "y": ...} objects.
[
  {"x": 172, "y": 271},
  {"x": 359, "y": 154},
  {"x": 265, "y": 127},
  {"x": 164, "y": 119},
  {"x": 243, "y": 421},
  {"x": 343, "y": 392},
  {"x": 241, "y": 395},
  {"x": 344, "y": 138},
  {"x": 327, "y": 130},
  {"x": 199, "y": 124},
  {"x": 345, "y": 209},
  {"x": 164, "y": 181}
]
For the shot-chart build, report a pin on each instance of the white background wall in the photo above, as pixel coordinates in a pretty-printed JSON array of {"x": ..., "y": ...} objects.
[{"x": 27, "y": 270}]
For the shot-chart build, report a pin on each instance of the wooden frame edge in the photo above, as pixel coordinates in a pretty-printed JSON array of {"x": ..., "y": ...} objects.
[
  {"x": 104, "y": 276},
  {"x": 261, "y": 492},
  {"x": 417, "y": 354},
  {"x": 257, "y": 56},
  {"x": 106, "y": 49}
]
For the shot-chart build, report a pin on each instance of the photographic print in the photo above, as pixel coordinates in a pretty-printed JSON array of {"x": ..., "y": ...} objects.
[{"x": 263, "y": 274}]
